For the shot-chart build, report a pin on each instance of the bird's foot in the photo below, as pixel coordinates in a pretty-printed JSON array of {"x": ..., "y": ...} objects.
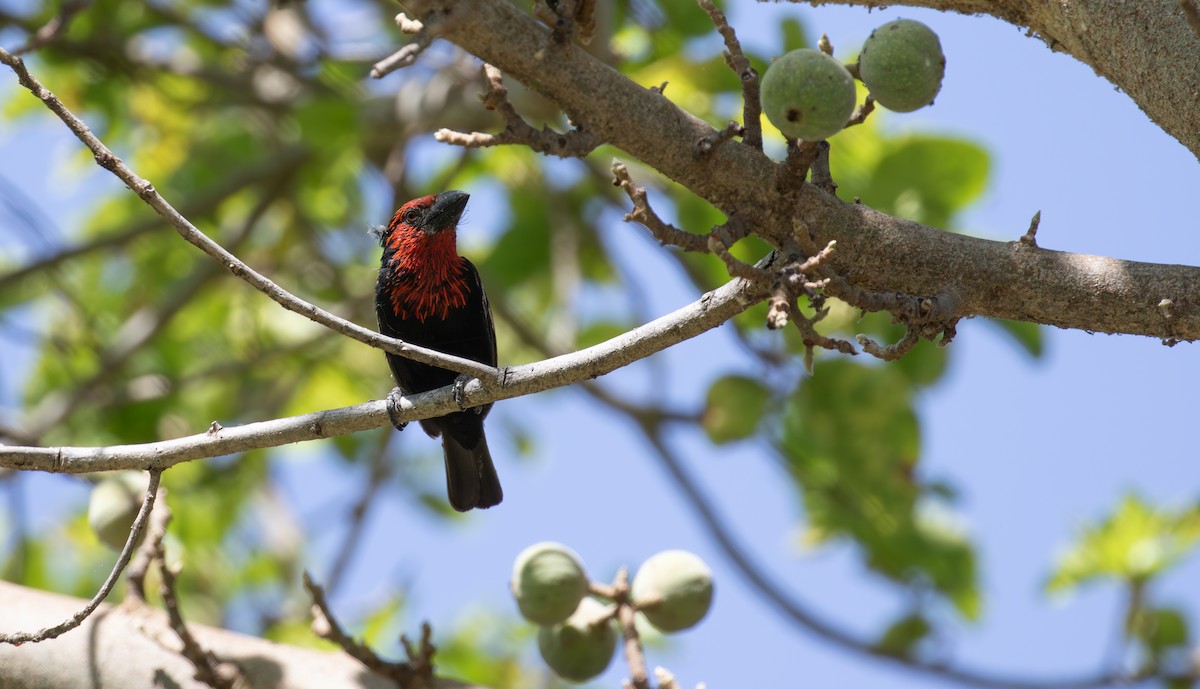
[
  {"x": 460, "y": 385},
  {"x": 393, "y": 408}
]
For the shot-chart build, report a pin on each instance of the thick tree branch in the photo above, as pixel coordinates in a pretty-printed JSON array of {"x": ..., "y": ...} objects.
[
  {"x": 1102, "y": 34},
  {"x": 18, "y": 637},
  {"x": 710, "y": 311},
  {"x": 126, "y": 648},
  {"x": 875, "y": 251}
]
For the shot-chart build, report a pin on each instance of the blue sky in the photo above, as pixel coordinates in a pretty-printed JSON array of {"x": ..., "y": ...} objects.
[{"x": 1037, "y": 449}]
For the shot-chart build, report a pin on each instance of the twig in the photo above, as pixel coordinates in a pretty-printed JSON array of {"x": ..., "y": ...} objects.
[
  {"x": 54, "y": 27},
  {"x": 401, "y": 58},
  {"x": 737, "y": 268},
  {"x": 135, "y": 535},
  {"x": 160, "y": 518},
  {"x": 822, "y": 178},
  {"x": 706, "y": 145},
  {"x": 635, "y": 657},
  {"x": 824, "y": 45},
  {"x": 425, "y": 31},
  {"x": 709, "y": 311},
  {"x": 800, "y": 156},
  {"x": 202, "y": 202},
  {"x": 326, "y": 626},
  {"x": 140, "y": 328},
  {"x": 642, "y": 213},
  {"x": 893, "y": 351},
  {"x": 564, "y": 17},
  {"x": 109, "y": 161},
  {"x": 576, "y": 143},
  {"x": 737, "y": 61},
  {"x": 861, "y": 111},
  {"x": 1030, "y": 237},
  {"x": 210, "y": 670}
]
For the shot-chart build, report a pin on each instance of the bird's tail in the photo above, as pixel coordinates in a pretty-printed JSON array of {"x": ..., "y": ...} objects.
[{"x": 471, "y": 479}]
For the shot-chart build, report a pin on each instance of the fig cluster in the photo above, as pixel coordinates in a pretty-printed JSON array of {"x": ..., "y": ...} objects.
[
  {"x": 809, "y": 95},
  {"x": 578, "y": 632}
]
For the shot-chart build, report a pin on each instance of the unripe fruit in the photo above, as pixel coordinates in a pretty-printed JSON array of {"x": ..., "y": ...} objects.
[
  {"x": 114, "y": 504},
  {"x": 807, "y": 95},
  {"x": 902, "y": 64},
  {"x": 680, "y": 582},
  {"x": 548, "y": 582},
  {"x": 581, "y": 647}
]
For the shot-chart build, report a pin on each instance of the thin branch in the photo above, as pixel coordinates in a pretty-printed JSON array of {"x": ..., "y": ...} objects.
[
  {"x": 1030, "y": 236},
  {"x": 139, "y": 329},
  {"x": 54, "y": 27},
  {"x": 737, "y": 268},
  {"x": 880, "y": 252},
  {"x": 795, "y": 611},
  {"x": 402, "y": 57},
  {"x": 737, "y": 61},
  {"x": 203, "y": 202},
  {"x": 156, "y": 531},
  {"x": 644, "y": 214},
  {"x": 707, "y": 144},
  {"x": 861, "y": 111},
  {"x": 425, "y": 31},
  {"x": 710, "y": 311},
  {"x": 135, "y": 535},
  {"x": 109, "y": 161},
  {"x": 209, "y": 669},
  {"x": 576, "y": 143},
  {"x": 893, "y": 351},
  {"x": 326, "y": 626},
  {"x": 635, "y": 657}
]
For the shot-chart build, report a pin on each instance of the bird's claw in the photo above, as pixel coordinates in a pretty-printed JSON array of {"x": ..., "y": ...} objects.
[
  {"x": 393, "y": 406},
  {"x": 460, "y": 385}
]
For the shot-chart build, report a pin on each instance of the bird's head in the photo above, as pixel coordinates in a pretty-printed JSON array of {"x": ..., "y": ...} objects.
[{"x": 428, "y": 215}]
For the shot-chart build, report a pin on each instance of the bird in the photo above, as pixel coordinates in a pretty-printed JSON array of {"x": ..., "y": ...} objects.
[{"x": 430, "y": 296}]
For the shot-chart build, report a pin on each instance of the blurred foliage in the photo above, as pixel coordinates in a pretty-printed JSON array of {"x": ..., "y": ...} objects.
[
  {"x": 1137, "y": 542},
  {"x": 259, "y": 123}
]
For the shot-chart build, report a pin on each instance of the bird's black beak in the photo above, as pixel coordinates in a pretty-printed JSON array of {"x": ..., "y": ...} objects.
[{"x": 447, "y": 208}]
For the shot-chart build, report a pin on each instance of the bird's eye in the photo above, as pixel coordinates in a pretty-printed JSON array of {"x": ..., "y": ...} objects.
[{"x": 411, "y": 216}]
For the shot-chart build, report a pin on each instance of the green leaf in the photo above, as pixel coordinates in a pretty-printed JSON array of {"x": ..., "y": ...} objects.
[
  {"x": 850, "y": 436},
  {"x": 1161, "y": 628},
  {"x": 927, "y": 178},
  {"x": 792, "y": 35},
  {"x": 902, "y": 636},
  {"x": 1135, "y": 544},
  {"x": 1027, "y": 336},
  {"x": 734, "y": 407}
]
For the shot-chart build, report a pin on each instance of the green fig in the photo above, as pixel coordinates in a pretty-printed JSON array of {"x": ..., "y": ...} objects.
[
  {"x": 902, "y": 64},
  {"x": 807, "y": 95},
  {"x": 581, "y": 647},
  {"x": 548, "y": 582},
  {"x": 673, "y": 589},
  {"x": 114, "y": 504}
]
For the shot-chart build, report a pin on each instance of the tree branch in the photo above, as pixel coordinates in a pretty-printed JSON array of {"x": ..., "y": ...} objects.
[
  {"x": 711, "y": 310},
  {"x": 783, "y": 603},
  {"x": 16, "y": 638},
  {"x": 876, "y": 252},
  {"x": 1102, "y": 35},
  {"x": 120, "y": 648},
  {"x": 106, "y": 159}
]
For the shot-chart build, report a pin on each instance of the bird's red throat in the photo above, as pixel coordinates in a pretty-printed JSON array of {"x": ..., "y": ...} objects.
[{"x": 435, "y": 283}]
